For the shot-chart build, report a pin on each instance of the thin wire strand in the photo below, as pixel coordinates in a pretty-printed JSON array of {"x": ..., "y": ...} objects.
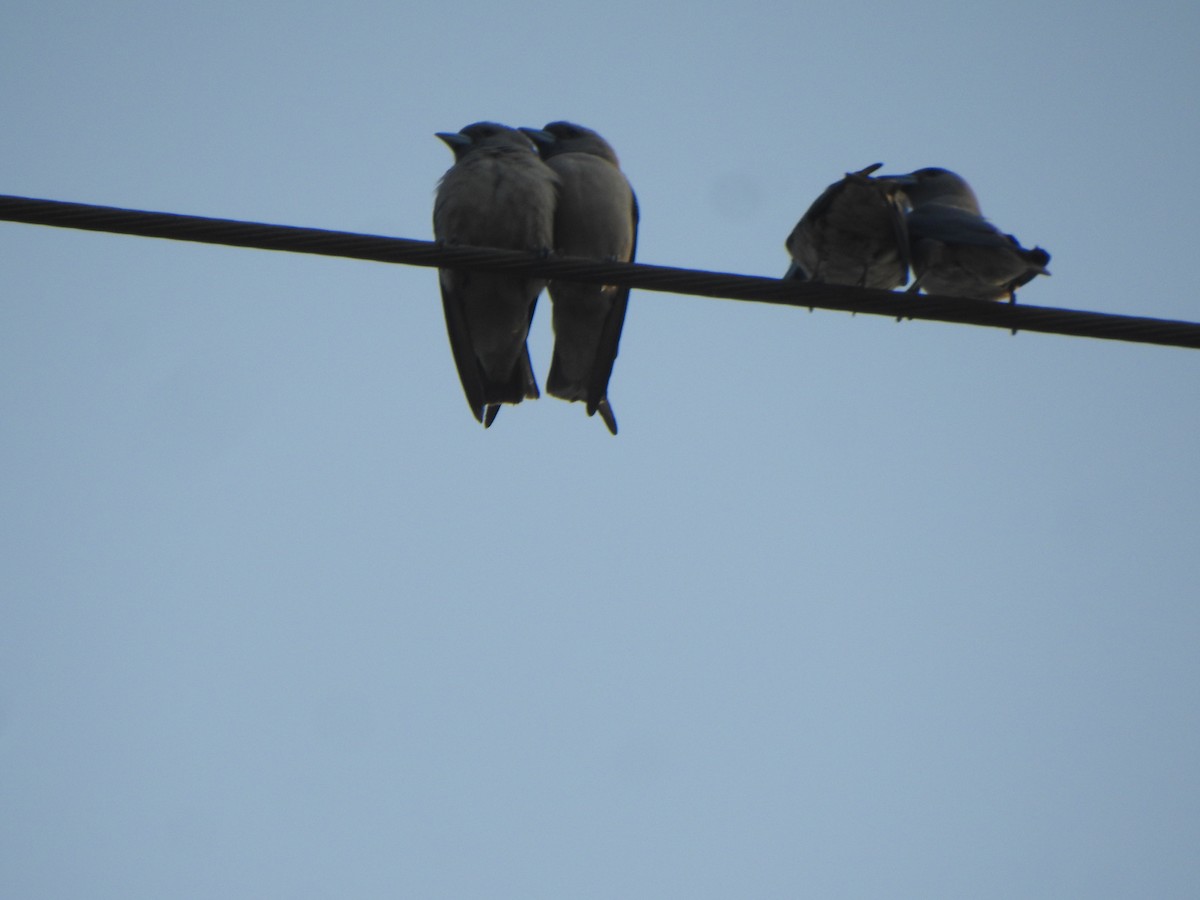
[{"x": 933, "y": 307}]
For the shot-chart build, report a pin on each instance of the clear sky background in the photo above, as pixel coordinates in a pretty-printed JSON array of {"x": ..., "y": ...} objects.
[{"x": 850, "y": 608}]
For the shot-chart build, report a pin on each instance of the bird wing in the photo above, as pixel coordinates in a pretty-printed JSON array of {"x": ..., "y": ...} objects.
[
  {"x": 952, "y": 225},
  {"x": 610, "y": 336},
  {"x": 469, "y": 374}
]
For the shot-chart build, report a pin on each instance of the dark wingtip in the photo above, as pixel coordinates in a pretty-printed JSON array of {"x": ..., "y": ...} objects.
[
  {"x": 606, "y": 414},
  {"x": 490, "y": 416}
]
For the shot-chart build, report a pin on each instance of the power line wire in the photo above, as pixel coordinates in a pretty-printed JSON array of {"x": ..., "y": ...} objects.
[{"x": 351, "y": 245}]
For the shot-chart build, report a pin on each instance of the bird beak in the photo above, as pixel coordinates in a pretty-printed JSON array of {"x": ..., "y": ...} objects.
[
  {"x": 453, "y": 139},
  {"x": 539, "y": 137}
]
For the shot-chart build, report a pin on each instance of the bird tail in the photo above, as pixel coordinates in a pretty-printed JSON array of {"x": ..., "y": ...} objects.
[
  {"x": 521, "y": 385},
  {"x": 1040, "y": 258},
  {"x": 558, "y": 385}
]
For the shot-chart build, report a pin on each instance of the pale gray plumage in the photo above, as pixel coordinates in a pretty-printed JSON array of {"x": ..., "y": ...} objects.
[
  {"x": 500, "y": 194},
  {"x": 597, "y": 217},
  {"x": 954, "y": 249},
  {"x": 854, "y": 233}
]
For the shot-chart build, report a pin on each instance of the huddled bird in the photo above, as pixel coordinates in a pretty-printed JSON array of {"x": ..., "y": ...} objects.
[
  {"x": 498, "y": 193},
  {"x": 596, "y": 217},
  {"x": 854, "y": 234},
  {"x": 953, "y": 248}
]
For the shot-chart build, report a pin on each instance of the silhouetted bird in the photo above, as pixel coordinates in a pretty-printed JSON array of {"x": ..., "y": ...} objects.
[
  {"x": 596, "y": 217},
  {"x": 854, "y": 233},
  {"x": 954, "y": 249},
  {"x": 500, "y": 194}
]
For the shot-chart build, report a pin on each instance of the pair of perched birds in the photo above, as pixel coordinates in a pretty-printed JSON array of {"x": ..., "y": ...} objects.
[
  {"x": 560, "y": 189},
  {"x": 554, "y": 189},
  {"x": 870, "y": 230}
]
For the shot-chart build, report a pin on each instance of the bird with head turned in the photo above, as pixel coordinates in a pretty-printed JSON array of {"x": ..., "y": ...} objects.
[
  {"x": 854, "y": 234},
  {"x": 954, "y": 249}
]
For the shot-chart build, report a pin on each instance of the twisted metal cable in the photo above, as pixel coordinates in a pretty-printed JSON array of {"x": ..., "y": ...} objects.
[{"x": 934, "y": 307}]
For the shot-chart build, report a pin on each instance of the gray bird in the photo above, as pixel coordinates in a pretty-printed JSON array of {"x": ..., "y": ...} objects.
[
  {"x": 597, "y": 217},
  {"x": 954, "y": 249},
  {"x": 854, "y": 233},
  {"x": 498, "y": 193}
]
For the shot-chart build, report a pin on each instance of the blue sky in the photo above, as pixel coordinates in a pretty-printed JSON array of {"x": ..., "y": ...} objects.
[{"x": 850, "y": 608}]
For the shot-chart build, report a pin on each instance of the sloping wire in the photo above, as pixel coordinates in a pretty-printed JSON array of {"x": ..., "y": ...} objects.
[{"x": 933, "y": 307}]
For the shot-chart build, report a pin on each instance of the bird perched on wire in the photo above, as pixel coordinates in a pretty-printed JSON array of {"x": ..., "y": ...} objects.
[
  {"x": 954, "y": 249},
  {"x": 596, "y": 217},
  {"x": 854, "y": 233},
  {"x": 500, "y": 194}
]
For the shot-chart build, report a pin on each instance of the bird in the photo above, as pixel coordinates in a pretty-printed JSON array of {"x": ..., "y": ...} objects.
[
  {"x": 954, "y": 249},
  {"x": 853, "y": 234},
  {"x": 498, "y": 193},
  {"x": 597, "y": 217}
]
